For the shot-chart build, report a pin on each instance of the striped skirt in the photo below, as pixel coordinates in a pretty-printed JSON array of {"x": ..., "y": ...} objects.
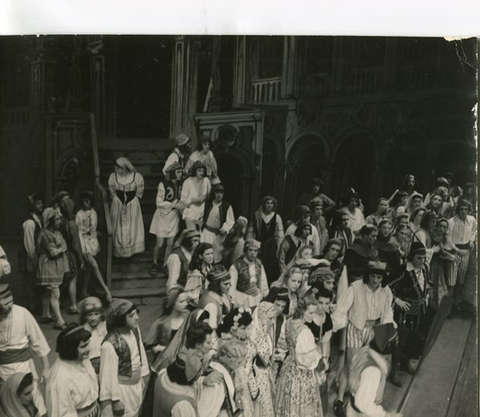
[{"x": 462, "y": 267}]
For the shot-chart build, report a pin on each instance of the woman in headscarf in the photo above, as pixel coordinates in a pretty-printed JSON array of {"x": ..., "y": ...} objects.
[
  {"x": 298, "y": 391},
  {"x": 76, "y": 261},
  {"x": 52, "y": 264},
  {"x": 352, "y": 207},
  {"x": 195, "y": 191},
  {"x": 435, "y": 204},
  {"x": 16, "y": 397},
  {"x": 397, "y": 205},
  {"x": 267, "y": 228},
  {"x": 164, "y": 328},
  {"x": 262, "y": 334},
  {"x": 126, "y": 189},
  {"x": 414, "y": 201},
  {"x": 72, "y": 385}
]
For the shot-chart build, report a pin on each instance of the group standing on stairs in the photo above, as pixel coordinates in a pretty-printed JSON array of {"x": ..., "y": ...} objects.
[{"x": 252, "y": 308}]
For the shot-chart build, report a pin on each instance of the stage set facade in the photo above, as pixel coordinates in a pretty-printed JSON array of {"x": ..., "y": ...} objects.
[{"x": 357, "y": 112}]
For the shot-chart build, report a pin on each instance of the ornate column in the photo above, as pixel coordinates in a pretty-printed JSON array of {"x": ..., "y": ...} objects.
[{"x": 289, "y": 67}]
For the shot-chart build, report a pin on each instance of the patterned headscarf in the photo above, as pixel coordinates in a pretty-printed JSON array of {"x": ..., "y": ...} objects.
[{"x": 261, "y": 331}]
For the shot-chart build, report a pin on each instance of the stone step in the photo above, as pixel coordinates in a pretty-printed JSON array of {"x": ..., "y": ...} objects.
[
  {"x": 135, "y": 281},
  {"x": 142, "y": 296},
  {"x": 135, "y": 267}
]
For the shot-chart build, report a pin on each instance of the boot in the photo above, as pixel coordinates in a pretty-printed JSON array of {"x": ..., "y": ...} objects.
[{"x": 394, "y": 378}]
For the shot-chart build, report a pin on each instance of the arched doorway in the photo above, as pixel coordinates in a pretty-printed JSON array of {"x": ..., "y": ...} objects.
[
  {"x": 355, "y": 167},
  {"x": 408, "y": 155},
  {"x": 306, "y": 160},
  {"x": 232, "y": 172}
]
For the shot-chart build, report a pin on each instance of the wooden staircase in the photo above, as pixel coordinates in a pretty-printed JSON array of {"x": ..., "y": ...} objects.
[{"x": 131, "y": 277}]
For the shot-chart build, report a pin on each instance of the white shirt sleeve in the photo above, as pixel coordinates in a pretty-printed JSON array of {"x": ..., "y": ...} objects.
[
  {"x": 306, "y": 351},
  {"x": 29, "y": 238},
  {"x": 229, "y": 221},
  {"x": 340, "y": 315},
  {"x": 388, "y": 313},
  {"x": 183, "y": 409},
  {"x": 109, "y": 389},
  {"x": 264, "y": 283},
  {"x": 367, "y": 391},
  {"x": 172, "y": 158},
  {"x": 38, "y": 343},
  {"x": 173, "y": 265},
  {"x": 59, "y": 400},
  {"x": 233, "y": 288},
  {"x": 160, "y": 199}
]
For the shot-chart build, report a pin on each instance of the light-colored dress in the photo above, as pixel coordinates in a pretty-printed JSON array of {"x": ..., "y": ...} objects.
[
  {"x": 52, "y": 259},
  {"x": 192, "y": 188},
  {"x": 71, "y": 386},
  {"x": 87, "y": 221},
  {"x": 126, "y": 213},
  {"x": 298, "y": 393},
  {"x": 355, "y": 221}
]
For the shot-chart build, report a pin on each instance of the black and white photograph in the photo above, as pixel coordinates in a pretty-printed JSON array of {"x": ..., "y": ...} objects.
[{"x": 238, "y": 226}]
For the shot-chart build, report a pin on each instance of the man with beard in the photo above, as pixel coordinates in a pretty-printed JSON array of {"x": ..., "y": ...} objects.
[{"x": 19, "y": 336}]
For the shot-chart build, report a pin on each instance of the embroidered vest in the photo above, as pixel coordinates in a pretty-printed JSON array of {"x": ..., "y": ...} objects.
[
  {"x": 123, "y": 351},
  {"x": 182, "y": 277},
  {"x": 243, "y": 282},
  {"x": 172, "y": 190}
]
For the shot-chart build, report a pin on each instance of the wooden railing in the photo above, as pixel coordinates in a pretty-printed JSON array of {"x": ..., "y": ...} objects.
[
  {"x": 266, "y": 91},
  {"x": 104, "y": 219}
]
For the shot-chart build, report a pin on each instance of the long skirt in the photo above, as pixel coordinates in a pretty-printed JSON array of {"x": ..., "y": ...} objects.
[
  {"x": 269, "y": 259},
  {"x": 442, "y": 271},
  {"x": 128, "y": 230},
  {"x": 298, "y": 393},
  {"x": 263, "y": 405}
]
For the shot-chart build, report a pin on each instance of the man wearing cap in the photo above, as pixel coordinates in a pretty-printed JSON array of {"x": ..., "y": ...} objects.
[
  {"x": 205, "y": 156},
  {"x": 123, "y": 362},
  {"x": 249, "y": 281},
  {"x": 166, "y": 220},
  {"x": 411, "y": 290},
  {"x": 316, "y": 193},
  {"x": 365, "y": 304},
  {"x": 218, "y": 220},
  {"x": 28, "y": 253},
  {"x": 19, "y": 336},
  {"x": 179, "y": 259},
  {"x": 304, "y": 213},
  {"x": 178, "y": 155}
]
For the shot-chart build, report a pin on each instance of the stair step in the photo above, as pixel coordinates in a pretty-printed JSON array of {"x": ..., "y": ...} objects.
[
  {"x": 131, "y": 144},
  {"x": 142, "y": 296},
  {"x": 152, "y": 284}
]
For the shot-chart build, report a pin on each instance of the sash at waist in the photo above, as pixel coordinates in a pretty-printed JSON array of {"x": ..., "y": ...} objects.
[
  {"x": 212, "y": 229},
  {"x": 371, "y": 323},
  {"x": 14, "y": 356},
  {"x": 463, "y": 245},
  {"x": 132, "y": 380},
  {"x": 90, "y": 411}
]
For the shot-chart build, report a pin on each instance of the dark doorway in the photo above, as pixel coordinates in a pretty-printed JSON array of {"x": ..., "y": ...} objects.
[
  {"x": 354, "y": 168},
  {"x": 144, "y": 68},
  {"x": 231, "y": 169},
  {"x": 459, "y": 159}
]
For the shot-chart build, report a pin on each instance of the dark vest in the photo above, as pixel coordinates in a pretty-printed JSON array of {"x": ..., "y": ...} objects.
[
  {"x": 172, "y": 190},
  {"x": 22, "y": 254},
  {"x": 264, "y": 231},
  {"x": 292, "y": 250},
  {"x": 243, "y": 282},
  {"x": 182, "y": 278},
  {"x": 123, "y": 351},
  {"x": 222, "y": 208}
]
